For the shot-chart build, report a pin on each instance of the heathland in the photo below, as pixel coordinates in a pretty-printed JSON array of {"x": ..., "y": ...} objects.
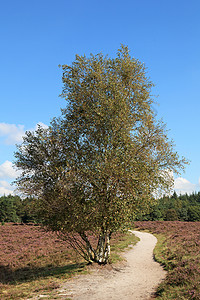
[
  {"x": 178, "y": 250},
  {"x": 33, "y": 261}
]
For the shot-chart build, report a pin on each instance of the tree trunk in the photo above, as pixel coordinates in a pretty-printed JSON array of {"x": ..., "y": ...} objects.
[
  {"x": 99, "y": 255},
  {"x": 90, "y": 257},
  {"x": 107, "y": 248},
  {"x": 103, "y": 248}
]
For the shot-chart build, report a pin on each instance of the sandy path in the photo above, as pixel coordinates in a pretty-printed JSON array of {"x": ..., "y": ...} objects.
[{"x": 138, "y": 279}]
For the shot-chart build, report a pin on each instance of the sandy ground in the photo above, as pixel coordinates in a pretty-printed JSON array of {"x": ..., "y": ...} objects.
[{"x": 136, "y": 279}]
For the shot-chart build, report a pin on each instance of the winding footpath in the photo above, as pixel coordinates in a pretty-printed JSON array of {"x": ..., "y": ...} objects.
[{"x": 137, "y": 280}]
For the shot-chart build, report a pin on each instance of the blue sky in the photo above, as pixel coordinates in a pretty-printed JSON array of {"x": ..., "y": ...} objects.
[{"x": 37, "y": 36}]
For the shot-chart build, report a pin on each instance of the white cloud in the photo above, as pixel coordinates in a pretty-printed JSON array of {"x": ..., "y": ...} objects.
[
  {"x": 13, "y": 133},
  {"x": 5, "y": 188},
  {"x": 182, "y": 186},
  {"x": 7, "y": 170},
  {"x": 7, "y": 173},
  {"x": 5, "y": 184}
]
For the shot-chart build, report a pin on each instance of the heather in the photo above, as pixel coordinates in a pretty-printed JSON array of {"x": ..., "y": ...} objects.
[
  {"x": 32, "y": 260},
  {"x": 178, "y": 250},
  {"x": 23, "y": 248}
]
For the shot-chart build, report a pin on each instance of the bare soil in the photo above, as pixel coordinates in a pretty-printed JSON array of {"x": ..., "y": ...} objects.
[{"x": 137, "y": 278}]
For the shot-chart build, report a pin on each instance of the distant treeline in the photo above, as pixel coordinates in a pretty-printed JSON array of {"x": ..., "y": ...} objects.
[
  {"x": 168, "y": 208},
  {"x": 173, "y": 208},
  {"x": 15, "y": 209}
]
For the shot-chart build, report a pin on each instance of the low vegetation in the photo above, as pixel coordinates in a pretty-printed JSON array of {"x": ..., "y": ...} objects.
[
  {"x": 33, "y": 261},
  {"x": 178, "y": 250}
]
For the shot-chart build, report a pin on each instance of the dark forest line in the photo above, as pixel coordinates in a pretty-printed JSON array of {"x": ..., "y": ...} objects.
[
  {"x": 168, "y": 208},
  {"x": 17, "y": 210},
  {"x": 174, "y": 208}
]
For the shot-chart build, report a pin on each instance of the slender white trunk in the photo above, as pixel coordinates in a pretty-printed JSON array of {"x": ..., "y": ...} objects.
[
  {"x": 90, "y": 251},
  {"x": 101, "y": 254},
  {"x": 103, "y": 248},
  {"x": 107, "y": 249},
  {"x": 100, "y": 248}
]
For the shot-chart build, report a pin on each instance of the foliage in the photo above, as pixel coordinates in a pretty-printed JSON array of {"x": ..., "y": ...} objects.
[
  {"x": 179, "y": 252},
  {"x": 100, "y": 163},
  {"x": 170, "y": 208},
  {"x": 16, "y": 209},
  {"x": 8, "y": 208},
  {"x": 32, "y": 260},
  {"x": 182, "y": 207}
]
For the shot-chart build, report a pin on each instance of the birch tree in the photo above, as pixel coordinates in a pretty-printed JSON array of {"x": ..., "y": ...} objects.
[{"x": 101, "y": 163}]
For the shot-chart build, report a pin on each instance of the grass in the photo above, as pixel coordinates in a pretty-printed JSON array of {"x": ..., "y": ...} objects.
[
  {"x": 44, "y": 281},
  {"x": 122, "y": 244},
  {"x": 33, "y": 262}
]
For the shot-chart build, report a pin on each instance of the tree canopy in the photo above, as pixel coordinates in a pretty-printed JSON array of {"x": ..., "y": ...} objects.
[{"x": 99, "y": 164}]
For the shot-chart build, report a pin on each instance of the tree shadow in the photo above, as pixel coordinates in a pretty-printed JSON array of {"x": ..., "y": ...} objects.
[{"x": 9, "y": 276}]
